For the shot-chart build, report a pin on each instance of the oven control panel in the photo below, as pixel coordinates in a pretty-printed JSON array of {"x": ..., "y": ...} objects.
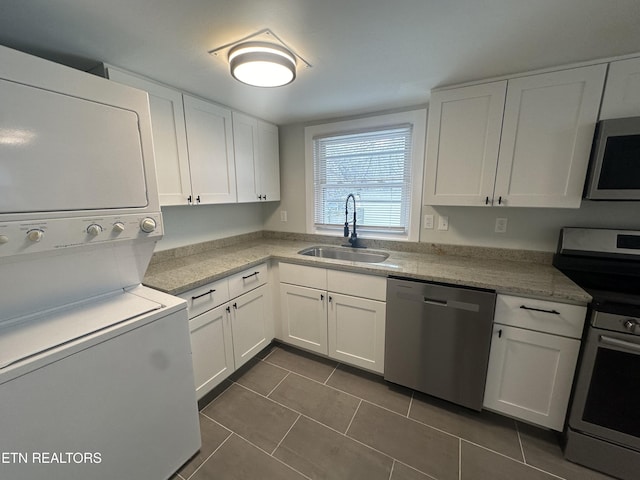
[
  {"x": 24, "y": 237},
  {"x": 616, "y": 323}
]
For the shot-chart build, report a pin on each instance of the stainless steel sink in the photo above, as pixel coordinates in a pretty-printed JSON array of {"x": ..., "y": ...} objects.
[{"x": 345, "y": 253}]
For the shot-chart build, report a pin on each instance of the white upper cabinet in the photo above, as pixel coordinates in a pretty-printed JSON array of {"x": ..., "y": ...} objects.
[
  {"x": 257, "y": 159},
  {"x": 463, "y": 138},
  {"x": 211, "y": 157},
  {"x": 547, "y": 131},
  {"x": 169, "y": 137},
  {"x": 622, "y": 92},
  {"x": 533, "y": 154},
  {"x": 245, "y": 143},
  {"x": 204, "y": 152},
  {"x": 269, "y": 164}
]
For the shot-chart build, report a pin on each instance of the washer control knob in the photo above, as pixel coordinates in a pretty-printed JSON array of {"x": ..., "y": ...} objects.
[
  {"x": 118, "y": 227},
  {"x": 94, "y": 229},
  {"x": 148, "y": 225},
  {"x": 4, "y": 239},
  {"x": 35, "y": 235}
]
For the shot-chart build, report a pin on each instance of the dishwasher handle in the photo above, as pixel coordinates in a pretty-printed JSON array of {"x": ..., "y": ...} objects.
[
  {"x": 435, "y": 301},
  {"x": 449, "y": 303}
]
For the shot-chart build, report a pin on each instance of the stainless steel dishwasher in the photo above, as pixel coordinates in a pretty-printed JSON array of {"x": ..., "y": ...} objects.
[{"x": 438, "y": 338}]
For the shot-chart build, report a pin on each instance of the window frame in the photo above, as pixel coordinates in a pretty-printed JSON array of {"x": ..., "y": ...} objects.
[{"x": 418, "y": 119}]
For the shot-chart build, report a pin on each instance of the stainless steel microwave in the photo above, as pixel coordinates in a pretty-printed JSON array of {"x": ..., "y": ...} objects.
[{"x": 614, "y": 170}]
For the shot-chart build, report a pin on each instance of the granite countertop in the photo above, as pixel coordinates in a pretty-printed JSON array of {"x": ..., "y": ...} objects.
[{"x": 177, "y": 275}]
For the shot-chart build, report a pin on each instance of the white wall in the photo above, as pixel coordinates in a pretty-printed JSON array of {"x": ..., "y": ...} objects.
[
  {"x": 527, "y": 228},
  {"x": 185, "y": 225}
]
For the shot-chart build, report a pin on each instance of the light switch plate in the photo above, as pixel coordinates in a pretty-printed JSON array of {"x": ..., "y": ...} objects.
[
  {"x": 501, "y": 225},
  {"x": 283, "y": 215},
  {"x": 428, "y": 222},
  {"x": 443, "y": 223}
]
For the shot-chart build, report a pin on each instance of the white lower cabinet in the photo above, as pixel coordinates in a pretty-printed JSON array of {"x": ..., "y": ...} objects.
[
  {"x": 304, "y": 317},
  {"x": 211, "y": 348},
  {"x": 530, "y": 372},
  {"x": 356, "y": 331},
  {"x": 230, "y": 322},
  {"x": 347, "y": 326},
  {"x": 250, "y": 324}
]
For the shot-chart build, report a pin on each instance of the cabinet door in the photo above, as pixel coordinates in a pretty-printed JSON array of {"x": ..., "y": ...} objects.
[
  {"x": 211, "y": 349},
  {"x": 169, "y": 137},
  {"x": 304, "y": 317},
  {"x": 463, "y": 137},
  {"x": 210, "y": 143},
  {"x": 268, "y": 162},
  {"x": 530, "y": 375},
  {"x": 356, "y": 331},
  {"x": 245, "y": 146},
  {"x": 548, "y": 126},
  {"x": 251, "y": 324},
  {"x": 622, "y": 91}
]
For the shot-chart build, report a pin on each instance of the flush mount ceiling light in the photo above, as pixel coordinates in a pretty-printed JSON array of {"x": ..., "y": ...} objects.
[
  {"x": 262, "y": 64},
  {"x": 261, "y": 59}
]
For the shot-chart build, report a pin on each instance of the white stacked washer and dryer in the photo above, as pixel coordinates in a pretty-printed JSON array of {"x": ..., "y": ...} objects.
[{"x": 96, "y": 378}]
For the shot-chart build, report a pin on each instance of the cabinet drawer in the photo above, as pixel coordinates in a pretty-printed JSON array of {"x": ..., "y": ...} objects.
[
  {"x": 247, "y": 280},
  {"x": 540, "y": 315},
  {"x": 357, "y": 284},
  {"x": 302, "y": 275},
  {"x": 204, "y": 298}
]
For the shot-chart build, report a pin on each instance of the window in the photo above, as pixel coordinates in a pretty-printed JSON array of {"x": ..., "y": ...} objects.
[{"x": 376, "y": 159}]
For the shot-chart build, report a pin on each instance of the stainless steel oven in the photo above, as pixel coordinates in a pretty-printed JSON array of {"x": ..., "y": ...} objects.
[{"x": 603, "y": 431}]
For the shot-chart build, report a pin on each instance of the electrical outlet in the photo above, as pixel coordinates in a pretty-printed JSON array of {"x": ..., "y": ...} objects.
[
  {"x": 443, "y": 223},
  {"x": 428, "y": 222},
  {"x": 501, "y": 225},
  {"x": 283, "y": 215}
]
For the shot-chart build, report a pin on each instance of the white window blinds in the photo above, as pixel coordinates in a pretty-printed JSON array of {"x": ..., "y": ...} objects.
[{"x": 375, "y": 166}]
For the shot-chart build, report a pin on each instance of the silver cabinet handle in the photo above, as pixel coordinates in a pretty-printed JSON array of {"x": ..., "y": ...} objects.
[{"x": 619, "y": 343}]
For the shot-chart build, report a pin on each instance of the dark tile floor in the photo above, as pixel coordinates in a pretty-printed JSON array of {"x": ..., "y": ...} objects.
[{"x": 292, "y": 415}]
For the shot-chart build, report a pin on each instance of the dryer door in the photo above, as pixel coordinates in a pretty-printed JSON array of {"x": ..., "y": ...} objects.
[{"x": 64, "y": 153}]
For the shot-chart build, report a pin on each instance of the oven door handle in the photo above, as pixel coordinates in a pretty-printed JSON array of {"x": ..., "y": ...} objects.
[{"x": 614, "y": 342}]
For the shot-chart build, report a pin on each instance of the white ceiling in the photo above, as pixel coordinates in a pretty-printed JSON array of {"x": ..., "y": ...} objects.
[{"x": 367, "y": 55}]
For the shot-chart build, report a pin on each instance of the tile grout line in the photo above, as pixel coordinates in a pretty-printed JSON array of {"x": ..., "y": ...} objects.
[
  {"x": 212, "y": 453},
  {"x": 362, "y": 443},
  {"x": 524, "y": 458},
  {"x": 266, "y": 453},
  {"x": 279, "y": 383},
  {"x": 379, "y": 406},
  {"x": 410, "y": 404},
  {"x": 322, "y": 424},
  {"x": 313, "y": 420},
  {"x": 366, "y": 445},
  {"x": 393, "y": 464},
  {"x": 331, "y": 374},
  {"x": 353, "y": 417},
  {"x": 285, "y": 435},
  {"x": 510, "y": 458},
  {"x": 460, "y": 459},
  {"x": 315, "y": 381}
]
